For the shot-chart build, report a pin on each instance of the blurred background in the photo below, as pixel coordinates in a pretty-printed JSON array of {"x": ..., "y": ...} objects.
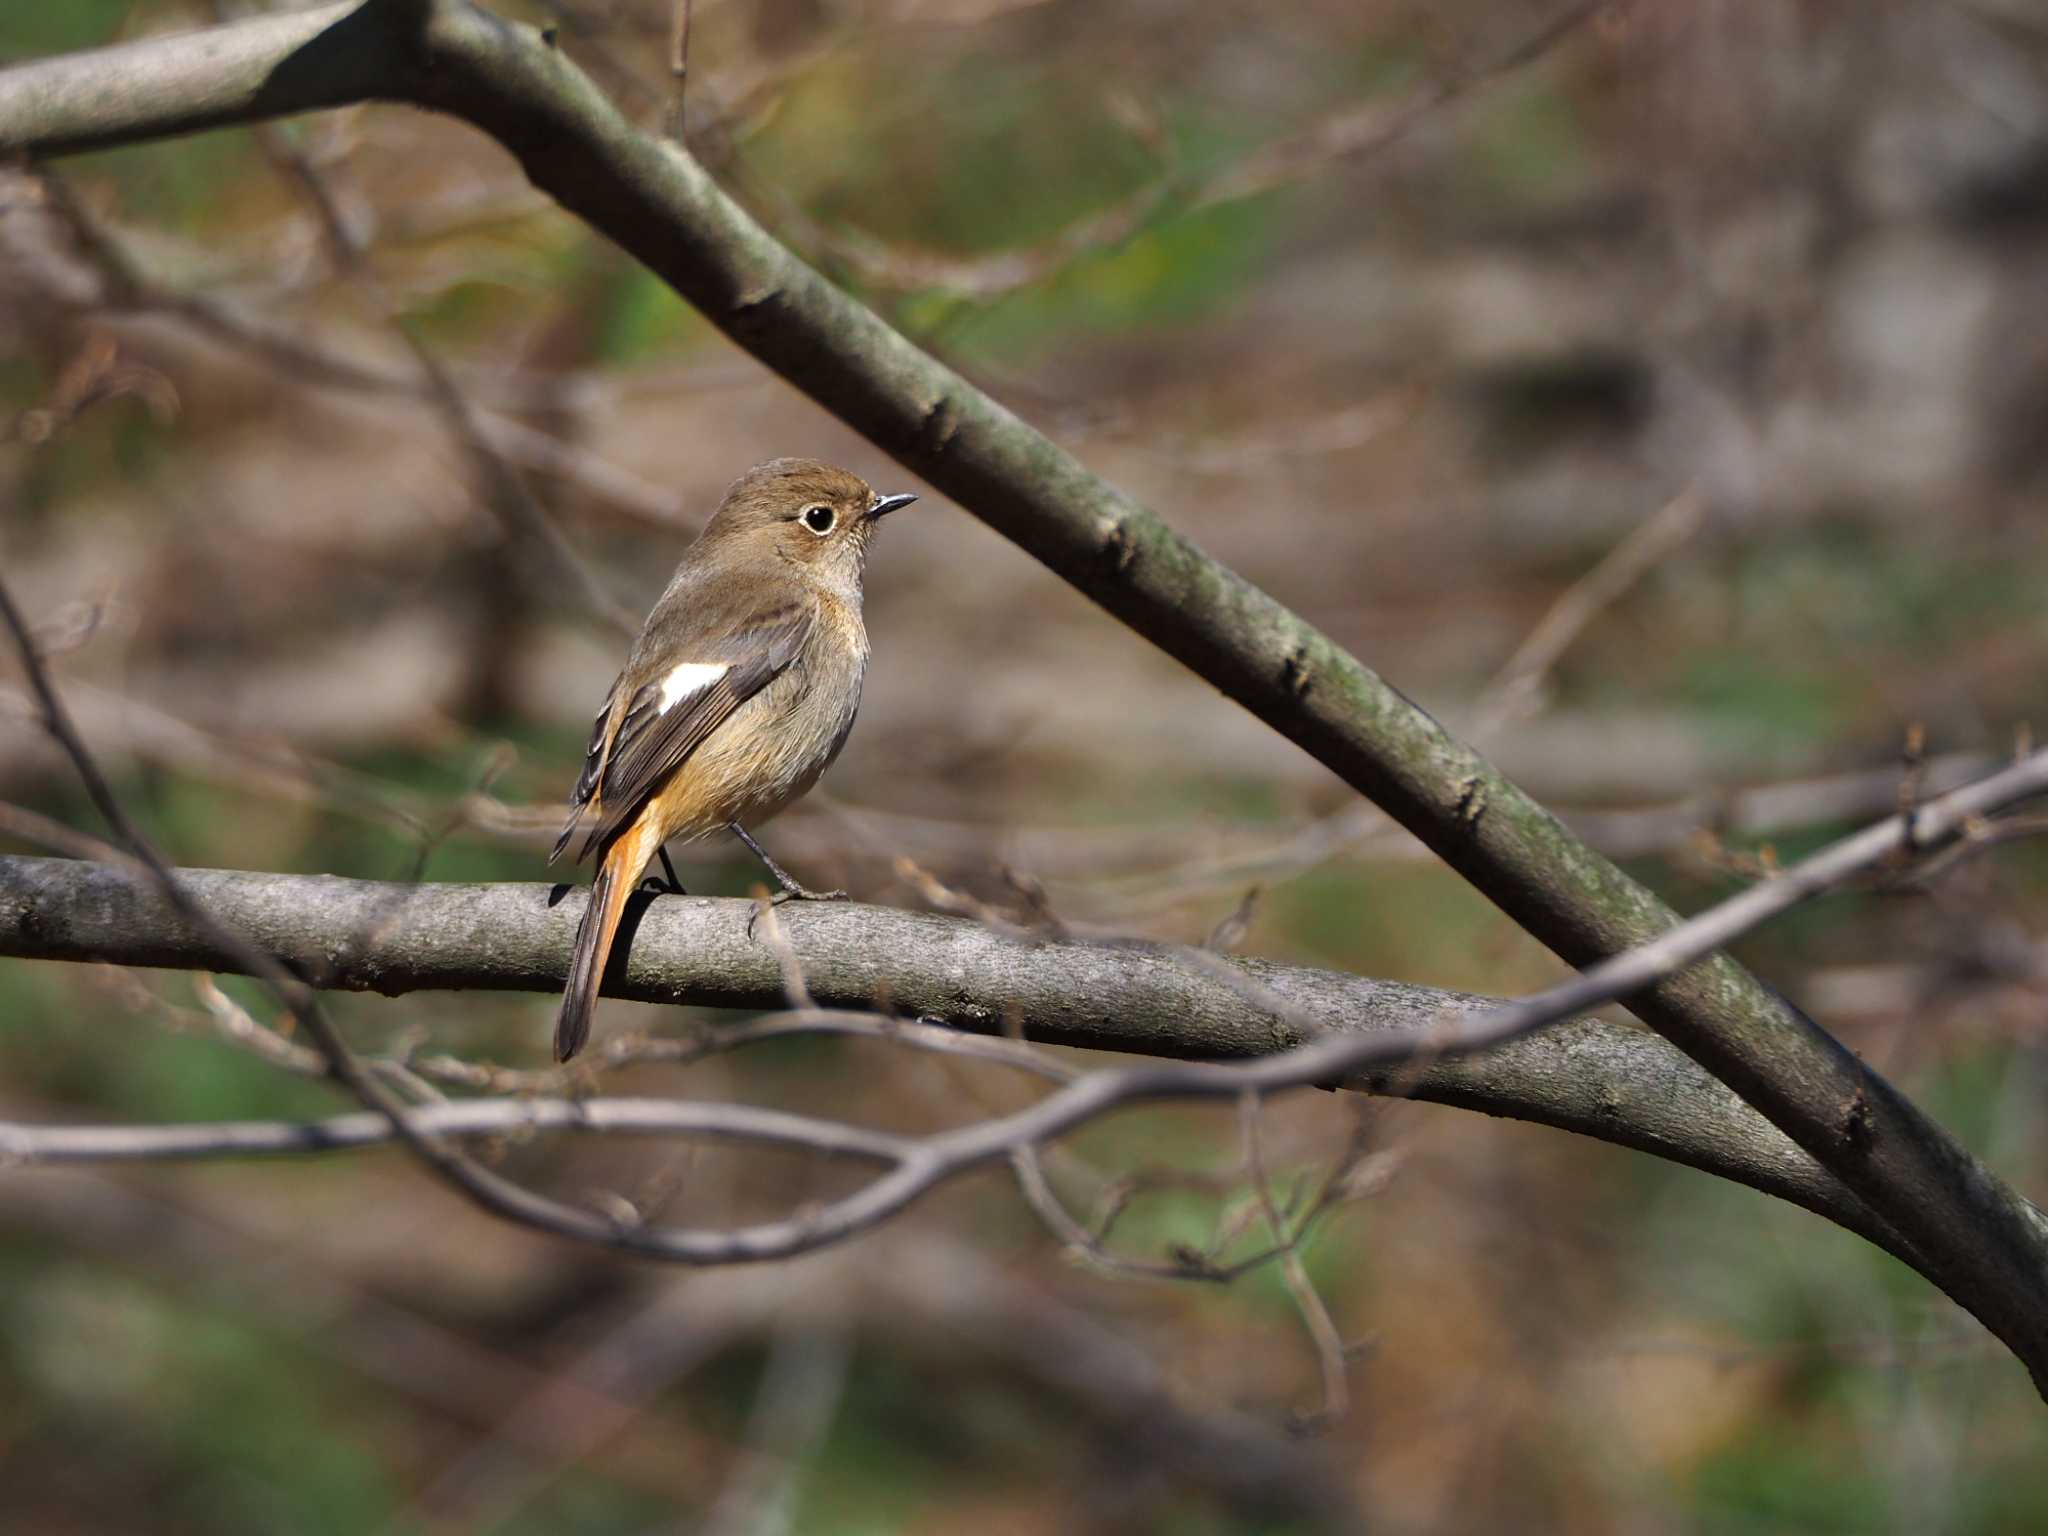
[{"x": 1655, "y": 394}]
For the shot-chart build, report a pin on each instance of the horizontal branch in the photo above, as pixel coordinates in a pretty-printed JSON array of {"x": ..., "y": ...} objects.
[{"x": 1609, "y": 1081}]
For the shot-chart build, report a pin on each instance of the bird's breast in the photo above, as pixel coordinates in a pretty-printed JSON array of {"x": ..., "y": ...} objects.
[{"x": 775, "y": 747}]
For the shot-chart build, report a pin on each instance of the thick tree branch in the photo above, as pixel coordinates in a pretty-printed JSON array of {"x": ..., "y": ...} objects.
[
  {"x": 1979, "y": 1240},
  {"x": 916, "y": 1165},
  {"x": 1609, "y": 1081}
]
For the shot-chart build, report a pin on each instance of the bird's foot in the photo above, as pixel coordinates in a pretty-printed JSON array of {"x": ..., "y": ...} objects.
[
  {"x": 790, "y": 892},
  {"x": 668, "y": 887},
  {"x": 795, "y": 892}
]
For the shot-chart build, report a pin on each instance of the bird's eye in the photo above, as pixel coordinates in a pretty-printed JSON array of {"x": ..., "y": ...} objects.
[{"x": 819, "y": 519}]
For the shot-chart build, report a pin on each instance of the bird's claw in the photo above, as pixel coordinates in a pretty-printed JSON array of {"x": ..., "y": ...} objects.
[
  {"x": 670, "y": 886},
  {"x": 791, "y": 892},
  {"x": 794, "y": 892}
]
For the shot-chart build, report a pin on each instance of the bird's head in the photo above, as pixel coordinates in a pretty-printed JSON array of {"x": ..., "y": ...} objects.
[{"x": 815, "y": 516}]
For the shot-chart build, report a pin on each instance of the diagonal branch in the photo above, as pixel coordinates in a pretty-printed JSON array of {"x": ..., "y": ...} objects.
[{"x": 1979, "y": 1240}]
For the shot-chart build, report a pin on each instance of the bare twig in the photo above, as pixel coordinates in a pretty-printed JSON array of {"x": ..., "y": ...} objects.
[
  {"x": 640, "y": 1050},
  {"x": 1315, "y": 1315},
  {"x": 1912, "y": 783},
  {"x": 1516, "y": 690},
  {"x": 678, "y": 64},
  {"x": 255, "y": 766},
  {"x": 767, "y": 927},
  {"x": 127, "y": 291},
  {"x": 467, "y": 1119},
  {"x": 98, "y": 373},
  {"x": 507, "y": 491},
  {"x": 238, "y": 1025},
  {"x": 1350, "y": 133},
  {"x": 1977, "y": 837},
  {"x": 1229, "y": 933},
  {"x": 1366, "y": 130},
  {"x": 800, "y": 1391},
  {"x": 18, "y": 821},
  {"x": 1092, "y": 1248},
  {"x": 588, "y": 1401}
]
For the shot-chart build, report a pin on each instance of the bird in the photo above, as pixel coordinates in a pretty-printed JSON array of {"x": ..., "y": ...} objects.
[{"x": 736, "y": 697}]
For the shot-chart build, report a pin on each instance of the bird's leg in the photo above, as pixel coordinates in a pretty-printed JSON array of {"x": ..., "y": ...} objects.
[
  {"x": 792, "y": 889},
  {"x": 669, "y": 887}
]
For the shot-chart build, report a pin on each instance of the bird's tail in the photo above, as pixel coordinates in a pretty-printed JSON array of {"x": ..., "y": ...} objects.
[{"x": 618, "y": 870}]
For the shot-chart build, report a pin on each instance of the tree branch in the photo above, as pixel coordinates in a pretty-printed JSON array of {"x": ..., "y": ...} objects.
[
  {"x": 470, "y": 1118},
  {"x": 916, "y": 1165},
  {"x": 1595, "y": 1078},
  {"x": 1978, "y": 1239}
]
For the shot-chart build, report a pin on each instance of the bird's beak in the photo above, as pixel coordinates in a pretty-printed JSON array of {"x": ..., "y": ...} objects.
[{"x": 884, "y": 505}]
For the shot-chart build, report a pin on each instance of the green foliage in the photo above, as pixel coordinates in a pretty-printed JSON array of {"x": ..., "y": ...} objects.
[
  {"x": 1823, "y": 607},
  {"x": 1177, "y": 269},
  {"x": 1775, "y": 1482},
  {"x": 1833, "y": 1337},
  {"x": 1764, "y": 697},
  {"x": 183, "y": 189},
  {"x": 271, "y": 1454},
  {"x": 1024, "y": 152},
  {"x": 121, "y": 441},
  {"x": 588, "y": 1504},
  {"x": 1808, "y": 1466},
  {"x": 1524, "y": 146},
  {"x": 221, "y": 1425},
  {"x": 29, "y": 31},
  {"x": 1028, "y": 156},
  {"x": 475, "y": 306},
  {"x": 1408, "y": 921},
  {"x": 159, "y": 1076},
  {"x": 641, "y": 317}
]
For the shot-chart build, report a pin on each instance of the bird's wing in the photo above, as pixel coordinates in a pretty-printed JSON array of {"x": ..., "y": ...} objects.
[{"x": 663, "y": 707}]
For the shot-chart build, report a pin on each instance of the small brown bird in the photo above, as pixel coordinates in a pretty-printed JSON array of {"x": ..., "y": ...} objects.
[{"x": 737, "y": 696}]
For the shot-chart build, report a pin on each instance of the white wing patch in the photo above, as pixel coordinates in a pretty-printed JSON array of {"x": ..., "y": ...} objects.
[{"x": 690, "y": 677}]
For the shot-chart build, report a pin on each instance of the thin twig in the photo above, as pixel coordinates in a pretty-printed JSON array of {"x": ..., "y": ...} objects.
[
  {"x": 678, "y": 65},
  {"x": 1090, "y": 1247},
  {"x": 18, "y": 821},
  {"x": 641, "y": 1050},
  {"x": 1367, "y": 130},
  {"x": 466, "y": 1119},
  {"x": 1348, "y": 134},
  {"x": 507, "y": 490},
  {"x": 801, "y": 1388},
  {"x": 767, "y": 927},
  {"x": 1308, "y": 1301},
  {"x": 1515, "y": 691}
]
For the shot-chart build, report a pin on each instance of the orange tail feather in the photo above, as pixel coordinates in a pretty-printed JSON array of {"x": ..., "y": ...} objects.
[{"x": 618, "y": 871}]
